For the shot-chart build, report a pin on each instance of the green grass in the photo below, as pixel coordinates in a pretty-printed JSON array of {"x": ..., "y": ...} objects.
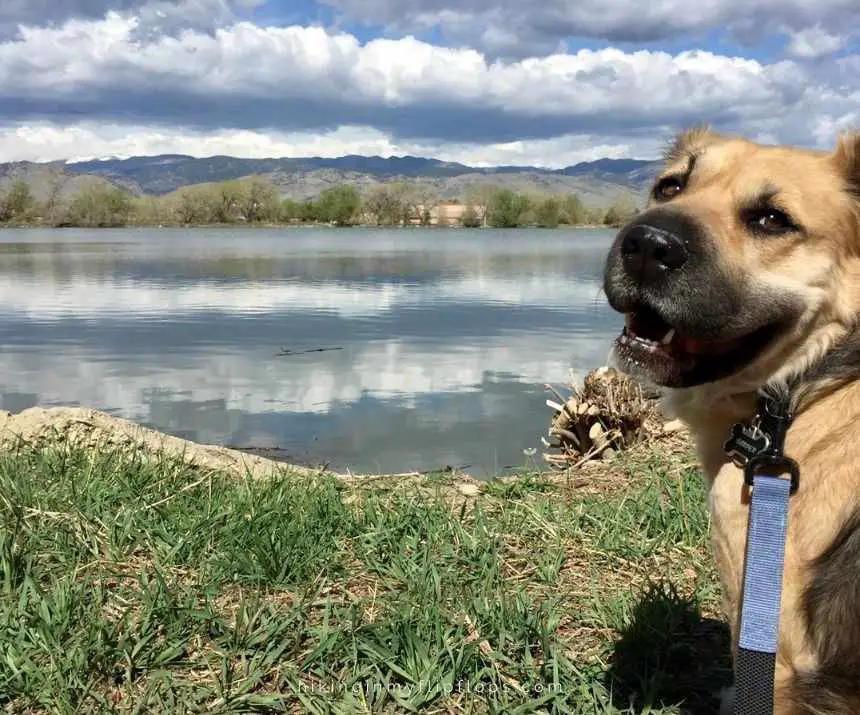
[{"x": 140, "y": 585}]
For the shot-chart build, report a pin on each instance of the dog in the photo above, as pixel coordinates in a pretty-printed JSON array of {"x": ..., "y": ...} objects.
[{"x": 742, "y": 272}]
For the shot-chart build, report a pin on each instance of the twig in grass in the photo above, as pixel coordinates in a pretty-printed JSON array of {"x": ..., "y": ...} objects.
[
  {"x": 186, "y": 488},
  {"x": 485, "y": 648},
  {"x": 372, "y": 610}
]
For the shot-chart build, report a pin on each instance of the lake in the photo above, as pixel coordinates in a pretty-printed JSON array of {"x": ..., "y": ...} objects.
[{"x": 406, "y": 349}]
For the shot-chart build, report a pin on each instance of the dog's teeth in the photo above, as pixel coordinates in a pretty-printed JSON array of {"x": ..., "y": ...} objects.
[{"x": 667, "y": 338}]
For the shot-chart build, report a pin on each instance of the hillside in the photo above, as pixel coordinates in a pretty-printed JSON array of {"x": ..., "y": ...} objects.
[
  {"x": 50, "y": 183},
  {"x": 598, "y": 183}
]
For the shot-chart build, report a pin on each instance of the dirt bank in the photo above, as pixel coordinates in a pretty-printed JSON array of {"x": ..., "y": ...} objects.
[{"x": 93, "y": 429}]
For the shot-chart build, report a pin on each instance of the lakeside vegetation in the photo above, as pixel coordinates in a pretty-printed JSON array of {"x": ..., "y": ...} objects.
[
  {"x": 133, "y": 583},
  {"x": 257, "y": 201}
]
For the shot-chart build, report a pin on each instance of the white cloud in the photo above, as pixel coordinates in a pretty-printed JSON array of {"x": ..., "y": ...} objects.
[
  {"x": 298, "y": 78},
  {"x": 49, "y": 141},
  {"x": 257, "y": 91},
  {"x": 157, "y": 17},
  {"x": 815, "y": 42},
  {"x": 304, "y": 63},
  {"x": 170, "y": 17},
  {"x": 512, "y": 27}
]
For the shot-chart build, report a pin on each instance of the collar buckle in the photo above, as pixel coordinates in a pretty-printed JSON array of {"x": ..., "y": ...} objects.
[
  {"x": 757, "y": 446},
  {"x": 774, "y": 465}
]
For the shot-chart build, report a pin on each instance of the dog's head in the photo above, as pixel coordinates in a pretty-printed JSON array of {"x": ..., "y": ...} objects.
[{"x": 743, "y": 262}]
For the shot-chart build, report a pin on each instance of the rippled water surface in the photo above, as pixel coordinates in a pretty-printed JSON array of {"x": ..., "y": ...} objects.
[{"x": 407, "y": 349}]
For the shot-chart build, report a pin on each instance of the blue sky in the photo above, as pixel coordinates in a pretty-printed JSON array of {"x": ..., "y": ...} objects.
[{"x": 501, "y": 82}]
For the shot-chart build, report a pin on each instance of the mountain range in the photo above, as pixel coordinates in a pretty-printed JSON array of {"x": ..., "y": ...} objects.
[{"x": 597, "y": 182}]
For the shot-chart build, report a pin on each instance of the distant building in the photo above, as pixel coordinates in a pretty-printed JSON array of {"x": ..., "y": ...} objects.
[{"x": 445, "y": 213}]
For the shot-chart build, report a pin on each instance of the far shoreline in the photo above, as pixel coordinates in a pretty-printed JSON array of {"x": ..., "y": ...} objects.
[{"x": 308, "y": 224}]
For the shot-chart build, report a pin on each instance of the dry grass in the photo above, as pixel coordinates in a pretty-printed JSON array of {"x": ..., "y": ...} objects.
[{"x": 607, "y": 414}]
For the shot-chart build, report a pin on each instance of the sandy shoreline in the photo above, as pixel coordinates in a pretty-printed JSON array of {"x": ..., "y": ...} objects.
[
  {"x": 92, "y": 428},
  {"x": 96, "y": 430}
]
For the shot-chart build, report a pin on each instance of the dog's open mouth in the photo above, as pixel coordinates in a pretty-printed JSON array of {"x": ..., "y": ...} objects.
[{"x": 650, "y": 345}]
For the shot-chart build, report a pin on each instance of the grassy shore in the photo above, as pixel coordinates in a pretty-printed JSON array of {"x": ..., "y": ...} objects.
[{"x": 135, "y": 584}]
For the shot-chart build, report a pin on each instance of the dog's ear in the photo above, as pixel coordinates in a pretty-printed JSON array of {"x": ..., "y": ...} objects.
[
  {"x": 847, "y": 158},
  {"x": 688, "y": 142}
]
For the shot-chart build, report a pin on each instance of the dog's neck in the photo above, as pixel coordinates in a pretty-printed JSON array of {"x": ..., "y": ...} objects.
[
  {"x": 711, "y": 410},
  {"x": 839, "y": 366}
]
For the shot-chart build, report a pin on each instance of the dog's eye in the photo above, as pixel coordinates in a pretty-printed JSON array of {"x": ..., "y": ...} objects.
[
  {"x": 769, "y": 221},
  {"x": 667, "y": 188}
]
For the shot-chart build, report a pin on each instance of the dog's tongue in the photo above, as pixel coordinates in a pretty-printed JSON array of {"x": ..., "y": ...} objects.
[{"x": 707, "y": 347}]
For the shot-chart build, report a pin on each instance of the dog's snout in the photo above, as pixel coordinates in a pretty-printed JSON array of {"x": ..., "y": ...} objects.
[{"x": 649, "y": 253}]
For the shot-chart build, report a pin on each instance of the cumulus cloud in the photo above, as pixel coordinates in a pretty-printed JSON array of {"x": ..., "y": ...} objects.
[
  {"x": 515, "y": 27},
  {"x": 15, "y": 13},
  {"x": 306, "y": 78},
  {"x": 154, "y": 17},
  {"x": 189, "y": 77},
  {"x": 158, "y": 18},
  {"x": 30, "y": 12}
]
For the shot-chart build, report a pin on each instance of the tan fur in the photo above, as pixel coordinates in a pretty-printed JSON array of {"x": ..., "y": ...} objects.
[{"x": 823, "y": 268}]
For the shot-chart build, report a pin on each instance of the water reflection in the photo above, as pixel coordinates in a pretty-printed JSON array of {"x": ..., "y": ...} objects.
[{"x": 445, "y": 338}]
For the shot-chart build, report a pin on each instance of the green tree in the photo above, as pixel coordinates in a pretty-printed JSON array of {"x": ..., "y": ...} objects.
[
  {"x": 18, "y": 203},
  {"x": 53, "y": 208},
  {"x": 574, "y": 211},
  {"x": 229, "y": 200},
  {"x": 99, "y": 206},
  {"x": 505, "y": 209},
  {"x": 339, "y": 205},
  {"x": 290, "y": 210},
  {"x": 193, "y": 205},
  {"x": 260, "y": 200},
  {"x": 470, "y": 217},
  {"x": 151, "y": 211},
  {"x": 420, "y": 199},
  {"x": 309, "y": 210},
  {"x": 386, "y": 207},
  {"x": 621, "y": 211},
  {"x": 594, "y": 216},
  {"x": 407, "y": 200},
  {"x": 548, "y": 212}
]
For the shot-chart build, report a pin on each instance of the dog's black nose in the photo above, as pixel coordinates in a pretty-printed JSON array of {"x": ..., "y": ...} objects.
[{"x": 649, "y": 253}]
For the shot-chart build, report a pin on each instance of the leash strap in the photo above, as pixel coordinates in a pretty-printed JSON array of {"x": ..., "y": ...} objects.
[
  {"x": 758, "y": 448},
  {"x": 759, "y": 635}
]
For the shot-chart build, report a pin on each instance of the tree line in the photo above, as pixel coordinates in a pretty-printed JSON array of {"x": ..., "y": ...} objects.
[{"x": 258, "y": 201}]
